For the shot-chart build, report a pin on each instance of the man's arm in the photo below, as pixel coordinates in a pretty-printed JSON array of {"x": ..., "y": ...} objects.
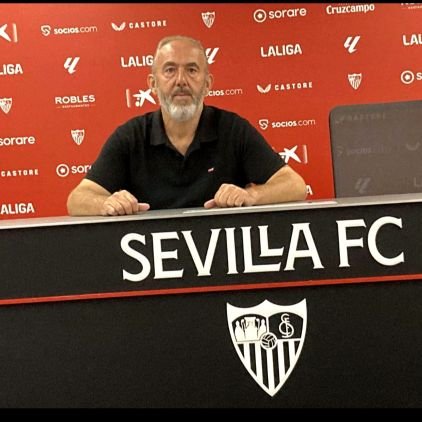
[
  {"x": 90, "y": 198},
  {"x": 285, "y": 185}
]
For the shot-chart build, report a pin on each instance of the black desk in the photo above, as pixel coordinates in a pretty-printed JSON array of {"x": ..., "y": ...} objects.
[{"x": 145, "y": 310}]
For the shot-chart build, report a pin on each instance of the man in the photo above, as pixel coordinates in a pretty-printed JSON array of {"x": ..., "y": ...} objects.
[{"x": 186, "y": 154}]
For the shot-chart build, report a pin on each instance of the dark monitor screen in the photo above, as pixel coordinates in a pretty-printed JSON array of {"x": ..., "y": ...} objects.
[{"x": 377, "y": 148}]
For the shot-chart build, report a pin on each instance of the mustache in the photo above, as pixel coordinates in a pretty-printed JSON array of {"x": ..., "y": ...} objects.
[{"x": 183, "y": 91}]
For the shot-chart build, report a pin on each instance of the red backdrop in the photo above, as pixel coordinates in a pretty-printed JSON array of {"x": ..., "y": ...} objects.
[{"x": 70, "y": 73}]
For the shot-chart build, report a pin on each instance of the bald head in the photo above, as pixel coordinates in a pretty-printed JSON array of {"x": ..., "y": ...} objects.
[{"x": 182, "y": 39}]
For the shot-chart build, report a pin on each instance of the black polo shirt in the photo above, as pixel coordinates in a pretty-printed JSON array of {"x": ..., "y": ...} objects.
[{"x": 140, "y": 158}]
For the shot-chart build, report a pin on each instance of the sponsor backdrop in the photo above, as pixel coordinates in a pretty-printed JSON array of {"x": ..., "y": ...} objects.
[{"x": 70, "y": 73}]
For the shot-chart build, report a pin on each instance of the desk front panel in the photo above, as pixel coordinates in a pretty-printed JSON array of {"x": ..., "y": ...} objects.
[{"x": 93, "y": 339}]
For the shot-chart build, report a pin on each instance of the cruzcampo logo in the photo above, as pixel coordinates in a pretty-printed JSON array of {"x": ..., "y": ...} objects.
[{"x": 268, "y": 339}]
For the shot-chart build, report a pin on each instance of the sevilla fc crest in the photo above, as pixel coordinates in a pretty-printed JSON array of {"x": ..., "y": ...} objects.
[
  {"x": 6, "y": 104},
  {"x": 208, "y": 18},
  {"x": 268, "y": 339},
  {"x": 78, "y": 135},
  {"x": 355, "y": 79}
]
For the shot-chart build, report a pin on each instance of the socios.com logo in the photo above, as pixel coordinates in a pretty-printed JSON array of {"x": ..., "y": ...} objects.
[
  {"x": 259, "y": 15},
  {"x": 263, "y": 123},
  {"x": 46, "y": 30}
]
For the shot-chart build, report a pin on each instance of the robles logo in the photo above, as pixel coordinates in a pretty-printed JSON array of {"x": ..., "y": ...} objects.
[{"x": 73, "y": 101}]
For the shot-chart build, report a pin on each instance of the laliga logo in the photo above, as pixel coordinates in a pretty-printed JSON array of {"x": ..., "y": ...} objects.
[
  {"x": 350, "y": 43},
  {"x": 259, "y": 15},
  {"x": 6, "y": 36},
  {"x": 211, "y": 53},
  {"x": 268, "y": 338},
  {"x": 70, "y": 64}
]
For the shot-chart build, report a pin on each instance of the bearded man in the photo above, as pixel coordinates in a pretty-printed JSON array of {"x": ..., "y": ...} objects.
[{"x": 186, "y": 154}]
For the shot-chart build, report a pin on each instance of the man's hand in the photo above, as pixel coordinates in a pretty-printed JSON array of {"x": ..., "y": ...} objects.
[
  {"x": 231, "y": 196},
  {"x": 122, "y": 203}
]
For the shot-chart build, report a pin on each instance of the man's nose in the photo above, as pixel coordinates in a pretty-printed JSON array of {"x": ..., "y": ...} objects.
[{"x": 181, "y": 77}]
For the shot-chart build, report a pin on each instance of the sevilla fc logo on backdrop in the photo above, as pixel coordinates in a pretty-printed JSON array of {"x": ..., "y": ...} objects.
[
  {"x": 268, "y": 339},
  {"x": 6, "y": 104},
  {"x": 78, "y": 135},
  {"x": 355, "y": 79},
  {"x": 208, "y": 18}
]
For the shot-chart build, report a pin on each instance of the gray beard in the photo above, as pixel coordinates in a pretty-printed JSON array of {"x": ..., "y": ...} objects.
[{"x": 180, "y": 113}]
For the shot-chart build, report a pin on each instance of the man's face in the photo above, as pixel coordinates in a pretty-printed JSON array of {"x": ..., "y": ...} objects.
[{"x": 180, "y": 79}]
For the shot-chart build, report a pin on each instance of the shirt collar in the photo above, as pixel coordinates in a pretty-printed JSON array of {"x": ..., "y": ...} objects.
[{"x": 205, "y": 132}]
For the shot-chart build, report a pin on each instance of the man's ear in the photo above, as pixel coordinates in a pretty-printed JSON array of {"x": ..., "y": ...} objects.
[
  {"x": 152, "y": 83},
  {"x": 209, "y": 83}
]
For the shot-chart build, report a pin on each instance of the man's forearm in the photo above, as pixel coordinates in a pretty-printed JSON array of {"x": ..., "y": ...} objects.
[
  {"x": 85, "y": 203},
  {"x": 284, "y": 186}
]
